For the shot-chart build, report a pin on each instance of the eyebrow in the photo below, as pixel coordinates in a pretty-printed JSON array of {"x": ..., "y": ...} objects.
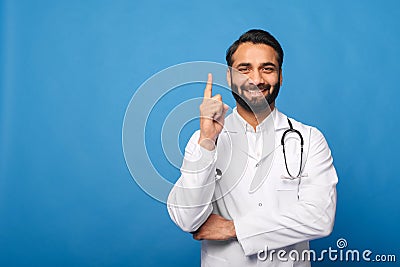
[
  {"x": 243, "y": 65},
  {"x": 268, "y": 64}
]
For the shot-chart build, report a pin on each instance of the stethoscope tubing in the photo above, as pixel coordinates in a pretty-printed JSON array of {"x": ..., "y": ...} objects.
[{"x": 292, "y": 130}]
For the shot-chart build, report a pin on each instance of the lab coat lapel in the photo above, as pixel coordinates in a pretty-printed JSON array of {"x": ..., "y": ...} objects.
[
  {"x": 234, "y": 128},
  {"x": 236, "y": 133},
  {"x": 274, "y": 124},
  {"x": 280, "y": 121},
  {"x": 234, "y": 147},
  {"x": 265, "y": 163}
]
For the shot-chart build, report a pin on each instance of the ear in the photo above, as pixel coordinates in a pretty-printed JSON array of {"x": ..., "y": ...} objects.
[
  {"x": 228, "y": 76},
  {"x": 280, "y": 77}
]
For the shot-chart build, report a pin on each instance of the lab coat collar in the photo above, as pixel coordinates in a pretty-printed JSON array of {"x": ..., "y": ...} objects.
[
  {"x": 262, "y": 127},
  {"x": 279, "y": 119},
  {"x": 239, "y": 125},
  {"x": 237, "y": 129}
]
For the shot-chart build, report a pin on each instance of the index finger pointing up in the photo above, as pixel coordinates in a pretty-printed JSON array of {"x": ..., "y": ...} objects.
[{"x": 208, "y": 90}]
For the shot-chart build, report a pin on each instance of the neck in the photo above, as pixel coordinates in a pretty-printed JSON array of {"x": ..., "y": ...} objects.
[{"x": 254, "y": 119}]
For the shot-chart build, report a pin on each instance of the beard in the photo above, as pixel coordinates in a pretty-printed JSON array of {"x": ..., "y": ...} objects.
[{"x": 255, "y": 105}]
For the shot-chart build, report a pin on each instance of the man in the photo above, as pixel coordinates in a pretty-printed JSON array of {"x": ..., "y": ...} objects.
[{"x": 256, "y": 182}]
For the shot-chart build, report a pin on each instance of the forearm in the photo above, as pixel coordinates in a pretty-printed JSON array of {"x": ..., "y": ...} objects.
[
  {"x": 311, "y": 216},
  {"x": 303, "y": 221},
  {"x": 216, "y": 227}
]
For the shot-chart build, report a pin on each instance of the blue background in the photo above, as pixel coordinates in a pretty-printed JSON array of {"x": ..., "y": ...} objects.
[{"x": 69, "y": 68}]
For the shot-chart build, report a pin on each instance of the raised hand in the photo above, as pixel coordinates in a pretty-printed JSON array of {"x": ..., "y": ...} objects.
[{"x": 212, "y": 116}]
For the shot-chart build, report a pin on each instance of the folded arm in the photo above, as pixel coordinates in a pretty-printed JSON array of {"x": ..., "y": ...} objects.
[{"x": 311, "y": 217}]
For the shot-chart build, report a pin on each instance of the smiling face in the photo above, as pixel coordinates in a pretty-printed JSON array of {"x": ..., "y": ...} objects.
[{"x": 255, "y": 76}]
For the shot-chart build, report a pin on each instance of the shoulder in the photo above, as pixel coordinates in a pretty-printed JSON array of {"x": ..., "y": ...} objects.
[{"x": 303, "y": 127}]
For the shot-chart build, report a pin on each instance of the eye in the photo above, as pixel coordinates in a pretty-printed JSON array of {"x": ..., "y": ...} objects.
[
  {"x": 244, "y": 69},
  {"x": 268, "y": 69}
]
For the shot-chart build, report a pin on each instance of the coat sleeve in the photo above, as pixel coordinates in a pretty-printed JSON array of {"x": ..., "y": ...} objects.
[
  {"x": 311, "y": 217},
  {"x": 189, "y": 202}
]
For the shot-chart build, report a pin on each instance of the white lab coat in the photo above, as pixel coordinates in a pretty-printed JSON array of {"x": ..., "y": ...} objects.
[{"x": 269, "y": 211}]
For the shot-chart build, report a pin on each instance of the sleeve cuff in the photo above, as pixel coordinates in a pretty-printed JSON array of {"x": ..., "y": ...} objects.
[
  {"x": 250, "y": 244},
  {"x": 240, "y": 236}
]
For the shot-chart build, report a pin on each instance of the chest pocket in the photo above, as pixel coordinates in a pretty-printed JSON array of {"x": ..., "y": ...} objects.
[
  {"x": 287, "y": 190},
  {"x": 287, "y": 193}
]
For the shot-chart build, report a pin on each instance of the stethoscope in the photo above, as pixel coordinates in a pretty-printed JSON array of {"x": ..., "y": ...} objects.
[
  {"x": 218, "y": 173},
  {"x": 291, "y": 130}
]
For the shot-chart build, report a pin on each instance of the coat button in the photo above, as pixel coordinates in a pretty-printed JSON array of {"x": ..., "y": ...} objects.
[
  {"x": 260, "y": 204},
  {"x": 218, "y": 174},
  {"x": 258, "y": 165}
]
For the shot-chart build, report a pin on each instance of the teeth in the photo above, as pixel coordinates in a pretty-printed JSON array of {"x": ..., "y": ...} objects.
[{"x": 255, "y": 92}]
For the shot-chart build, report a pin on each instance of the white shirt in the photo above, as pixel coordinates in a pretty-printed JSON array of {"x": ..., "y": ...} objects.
[{"x": 268, "y": 209}]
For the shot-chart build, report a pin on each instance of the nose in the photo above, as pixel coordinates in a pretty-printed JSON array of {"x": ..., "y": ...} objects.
[{"x": 256, "y": 78}]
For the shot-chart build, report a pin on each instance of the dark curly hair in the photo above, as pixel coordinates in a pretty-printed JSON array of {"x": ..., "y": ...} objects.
[{"x": 256, "y": 37}]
